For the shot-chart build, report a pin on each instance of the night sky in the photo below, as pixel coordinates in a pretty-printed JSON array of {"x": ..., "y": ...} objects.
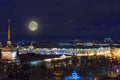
[{"x": 61, "y": 19}]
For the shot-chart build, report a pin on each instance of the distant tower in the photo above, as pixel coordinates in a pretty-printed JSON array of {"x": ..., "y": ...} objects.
[{"x": 9, "y": 41}]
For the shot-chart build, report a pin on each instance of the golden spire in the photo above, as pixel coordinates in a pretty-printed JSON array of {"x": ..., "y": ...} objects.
[
  {"x": 8, "y": 29},
  {"x": 8, "y": 42}
]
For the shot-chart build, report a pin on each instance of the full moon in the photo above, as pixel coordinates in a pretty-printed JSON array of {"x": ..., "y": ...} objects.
[{"x": 33, "y": 25}]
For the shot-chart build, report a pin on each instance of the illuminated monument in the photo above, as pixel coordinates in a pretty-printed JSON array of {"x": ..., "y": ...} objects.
[
  {"x": 74, "y": 76},
  {"x": 8, "y": 52}
]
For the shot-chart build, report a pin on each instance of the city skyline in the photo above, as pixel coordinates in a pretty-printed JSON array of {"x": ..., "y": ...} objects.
[
  {"x": 59, "y": 19},
  {"x": 59, "y": 40}
]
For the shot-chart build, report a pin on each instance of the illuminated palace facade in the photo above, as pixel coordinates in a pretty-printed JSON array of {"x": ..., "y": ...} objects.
[{"x": 79, "y": 51}]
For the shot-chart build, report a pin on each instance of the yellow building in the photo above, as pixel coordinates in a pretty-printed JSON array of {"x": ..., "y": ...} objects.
[{"x": 115, "y": 52}]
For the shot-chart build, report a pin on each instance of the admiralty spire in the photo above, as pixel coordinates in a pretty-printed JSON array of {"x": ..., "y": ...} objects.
[
  {"x": 9, "y": 34},
  {"x": 9, "y": 52}
]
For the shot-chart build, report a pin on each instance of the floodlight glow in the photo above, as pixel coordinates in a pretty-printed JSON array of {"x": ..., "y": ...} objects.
[
  {"x": 13, "y": 55},
  {"x": 33, "y": 62},
  {"x": 74, "y": 76}
]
